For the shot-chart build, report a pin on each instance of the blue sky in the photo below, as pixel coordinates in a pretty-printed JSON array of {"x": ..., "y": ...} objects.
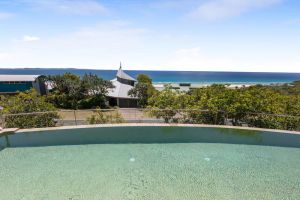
[{"x": 200, "y": 35}]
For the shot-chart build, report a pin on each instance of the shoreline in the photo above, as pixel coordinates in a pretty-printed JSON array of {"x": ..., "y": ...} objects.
[
  {"x": 161, "y": 85},
  {"x": 222, "y": 83}
]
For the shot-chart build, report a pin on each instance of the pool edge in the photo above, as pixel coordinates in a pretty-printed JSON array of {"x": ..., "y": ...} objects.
[{"x": 154, "y": 125}]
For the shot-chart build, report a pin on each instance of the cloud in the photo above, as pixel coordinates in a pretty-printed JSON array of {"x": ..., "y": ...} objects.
[
  {"x": 198, "y": 59},
  {"x": 4, "y": 56},
  {"x": 171, "y": 4},
  {"x": 221, "y": 9},
  {"x": 71, "y": 7},
  {"x": 195, "y": 59},
  {"x": 104, "y": 45},
  {"x": 293, "y": 22},
  {"x": 5, "y": 15},
  {"x": 27, "y": 38}
]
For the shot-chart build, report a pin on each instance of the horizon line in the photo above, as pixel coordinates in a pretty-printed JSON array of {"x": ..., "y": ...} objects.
[{"x": 165, "y": 70}]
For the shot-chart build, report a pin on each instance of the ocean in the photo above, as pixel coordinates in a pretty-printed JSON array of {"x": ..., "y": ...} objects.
[{"x": 199, "y": 77}]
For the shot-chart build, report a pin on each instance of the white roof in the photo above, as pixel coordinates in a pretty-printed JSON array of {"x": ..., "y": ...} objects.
[
  {"x": 123, "y": 75},
  {"x": 120, "y": 90},
  {"x": 27, "y": 78}
]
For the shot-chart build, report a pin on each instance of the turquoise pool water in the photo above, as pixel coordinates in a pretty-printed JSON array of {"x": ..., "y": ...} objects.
[{"x": 172, "y": 171}]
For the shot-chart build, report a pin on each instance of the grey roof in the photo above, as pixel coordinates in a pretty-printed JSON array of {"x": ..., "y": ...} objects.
[
  {"x": 27, "y": 78},
  {"x": 123, "y": 75},
  {"x": 120, "y": 90}
]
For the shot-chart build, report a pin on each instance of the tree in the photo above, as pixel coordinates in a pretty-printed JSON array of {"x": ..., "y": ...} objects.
[
  {"x": 143, "y": 90},
  {"x": 143, "y": 78},
  {"x": 165, "y": 104},
  {"x": 72, "y": 91},
  {"x": 95, "y": 91},
  {"x": 258, "y": 106},
  {"x": 24, "y": 104},
  {"x": 66, "y": 90}
]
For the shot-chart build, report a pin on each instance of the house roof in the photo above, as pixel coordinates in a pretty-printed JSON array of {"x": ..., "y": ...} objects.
[
  {"x": 27, "y": 78},
  {"x": 120, "y": 90},
  {"x": 123, "y": 75}
]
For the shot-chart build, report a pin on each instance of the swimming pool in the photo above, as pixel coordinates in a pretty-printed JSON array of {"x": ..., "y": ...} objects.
[{"x": 150, "y": 162}]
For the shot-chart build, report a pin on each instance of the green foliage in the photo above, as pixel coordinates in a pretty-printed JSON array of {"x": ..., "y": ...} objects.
[
  {"x": 169, "y": 100},
  {"x": 287, "y": 89},
  {"x": 26, "y": 103},
  {"x": 71, "y": 91},
  {"x": 217, "y": 104},
  {"x": 143, "y": 90},
  {"x": 143, "y": 78},
  {"x": 102, "y": 117}
]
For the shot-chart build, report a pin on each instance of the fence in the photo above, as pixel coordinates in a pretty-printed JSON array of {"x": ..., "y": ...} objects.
[{"x": 187, "y": 116}]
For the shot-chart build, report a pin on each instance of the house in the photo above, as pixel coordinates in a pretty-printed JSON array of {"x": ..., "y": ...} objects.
[
  {"x": 12, "y": 84},
  {"x": 118, "y": 96}
]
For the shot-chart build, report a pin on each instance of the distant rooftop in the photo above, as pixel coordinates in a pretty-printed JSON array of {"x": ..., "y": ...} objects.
[
  {"x": 121, "y": 87},
  {"x": 27, "y": 78},
  {"x": 123, "y": 75},
  {"x": 120, "y": 90}
]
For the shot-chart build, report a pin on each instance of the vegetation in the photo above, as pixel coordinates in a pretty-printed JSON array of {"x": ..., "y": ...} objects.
[
  {"x": 70, "y": 91},
  {"x": 143, "y": 90},
  {"x": 102, "y": 117},
  {"x": 26, "y": 103},
  {"x": 218, "y": 104},
  {"x": 272, "y": 106},
  {"x": 170, "y": 101}
]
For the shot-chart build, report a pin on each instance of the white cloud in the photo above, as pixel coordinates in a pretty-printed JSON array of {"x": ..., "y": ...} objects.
[
  {"x": 171, "y": 4},
  {"x": 221, "y": 9},
  {"x": 102, "y": 45},
  {"x": 27, "y": 38},
  {"x": 4, "y": 56},
  {"x": 72, "y": 7},
  {"x": 195, "y": 59},
  {"x": 293, "y": 22},
  {"x": 5, "y": 15}
]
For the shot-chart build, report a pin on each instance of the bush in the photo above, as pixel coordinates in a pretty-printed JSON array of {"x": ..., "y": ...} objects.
[
  {"x": 217, "y": 104},
  {"x": 19, "y": 111},
  {"x": 31, "y": 120},
  {"x": 102, "y": 117}
]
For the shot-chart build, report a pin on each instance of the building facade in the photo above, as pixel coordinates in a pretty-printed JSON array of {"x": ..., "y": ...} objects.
[
  {"x": 13, "y": 84},
  {"x": 118, "y": 96}
]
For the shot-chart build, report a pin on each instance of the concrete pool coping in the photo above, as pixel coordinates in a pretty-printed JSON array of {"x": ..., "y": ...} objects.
[
  {"x": 147, "y": 125},
  {"x": 8, "y": 131}
]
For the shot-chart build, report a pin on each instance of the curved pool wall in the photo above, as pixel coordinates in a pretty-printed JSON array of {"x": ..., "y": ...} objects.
[{"x": 117, "y": 134}]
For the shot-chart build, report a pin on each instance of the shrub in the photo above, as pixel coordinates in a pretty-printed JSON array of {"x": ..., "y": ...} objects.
[
  {"x": 103, "y": 117},
  {"x": 19, "y": 111}
]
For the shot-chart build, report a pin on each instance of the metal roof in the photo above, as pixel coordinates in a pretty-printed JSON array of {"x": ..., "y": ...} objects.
[
  {"x": 27, "y": 78},
  {"x": 123, "y": 75},
  {"x": 120, "y": 90}
]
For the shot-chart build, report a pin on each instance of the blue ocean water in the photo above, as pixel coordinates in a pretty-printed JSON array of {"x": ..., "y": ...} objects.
[{"x": 201, "y": 77}]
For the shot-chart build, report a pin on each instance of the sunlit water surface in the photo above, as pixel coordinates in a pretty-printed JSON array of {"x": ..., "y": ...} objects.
[{"x": 150, "y": 171}]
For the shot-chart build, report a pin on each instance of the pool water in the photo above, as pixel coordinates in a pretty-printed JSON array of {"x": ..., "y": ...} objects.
[
  {"x": 151, "y": 162},
  {"x": 150, "y": 171}
]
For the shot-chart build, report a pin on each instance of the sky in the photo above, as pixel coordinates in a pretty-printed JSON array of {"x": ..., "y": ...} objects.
[{"x": 184, "y": 35}]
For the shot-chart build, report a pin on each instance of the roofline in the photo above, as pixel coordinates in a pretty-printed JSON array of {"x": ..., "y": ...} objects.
[
  {"x": 122, "y": 97},
  {"x": 19, "y": 77}
]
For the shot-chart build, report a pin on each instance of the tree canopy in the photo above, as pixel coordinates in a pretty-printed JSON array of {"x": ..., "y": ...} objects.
[
  {"x": 260, "y": 106},
  {"x": 25, "y": 103},
  {"x": 72, "y": 91},
  {"x": 143, "y": 90}
]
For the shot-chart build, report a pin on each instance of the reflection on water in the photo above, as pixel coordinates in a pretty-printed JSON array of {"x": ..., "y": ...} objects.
[
  {"x": 117, "y": 135},
  {"x": 242, "y": 132},
  {"x": 2, "y": 142}
]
